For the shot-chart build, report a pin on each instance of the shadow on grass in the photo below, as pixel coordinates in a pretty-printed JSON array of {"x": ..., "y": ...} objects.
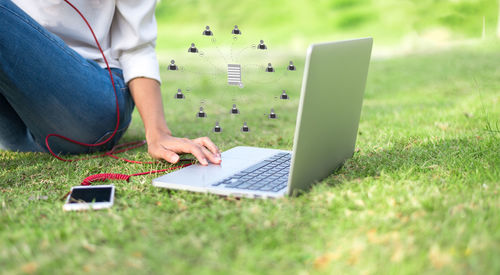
[{"x": 454, "y": 158}]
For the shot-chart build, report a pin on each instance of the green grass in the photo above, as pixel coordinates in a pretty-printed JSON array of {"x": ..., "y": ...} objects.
[{"x": 421, "y": 195}]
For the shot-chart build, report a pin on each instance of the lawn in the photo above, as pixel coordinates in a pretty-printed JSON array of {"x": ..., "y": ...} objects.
[{"x": 420, "y": 195}]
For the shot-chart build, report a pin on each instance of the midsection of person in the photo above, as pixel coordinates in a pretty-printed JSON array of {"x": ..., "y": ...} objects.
[
  {"x": 126, "y": 31},
  {"x": 60, "y": 19}
]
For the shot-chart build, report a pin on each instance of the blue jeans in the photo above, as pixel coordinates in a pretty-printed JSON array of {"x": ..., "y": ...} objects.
[{"x": 46, "y": 87}]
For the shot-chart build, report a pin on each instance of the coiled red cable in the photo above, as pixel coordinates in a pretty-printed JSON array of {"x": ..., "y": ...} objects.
[{"x": 111, "y": 176}]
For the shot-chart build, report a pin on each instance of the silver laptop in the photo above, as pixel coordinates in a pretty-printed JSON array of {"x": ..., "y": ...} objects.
[{"x": 327, "y": 125}]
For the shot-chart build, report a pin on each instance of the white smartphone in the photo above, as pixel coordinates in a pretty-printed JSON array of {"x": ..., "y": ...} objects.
[{"x": 90, "y": 197}]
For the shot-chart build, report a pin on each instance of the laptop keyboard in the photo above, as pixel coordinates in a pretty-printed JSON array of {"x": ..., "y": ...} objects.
[{"x": 269, "y": 175}]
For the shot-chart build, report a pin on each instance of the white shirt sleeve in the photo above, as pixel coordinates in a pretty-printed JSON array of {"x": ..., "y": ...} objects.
[{"x": 133, "y": 39}]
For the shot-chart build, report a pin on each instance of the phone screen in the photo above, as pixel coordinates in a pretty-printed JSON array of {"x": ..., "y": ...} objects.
[{"x": 90, "y": 194}]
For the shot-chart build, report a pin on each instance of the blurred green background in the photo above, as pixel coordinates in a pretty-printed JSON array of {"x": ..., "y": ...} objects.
[{"x": 297, "y": 23}]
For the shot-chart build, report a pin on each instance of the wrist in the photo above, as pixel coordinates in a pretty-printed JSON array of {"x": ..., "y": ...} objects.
[{"x": 157, "y": 133}]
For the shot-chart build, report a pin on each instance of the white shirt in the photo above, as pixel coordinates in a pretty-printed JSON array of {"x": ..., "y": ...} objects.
[{"x": 126, "y": 30}]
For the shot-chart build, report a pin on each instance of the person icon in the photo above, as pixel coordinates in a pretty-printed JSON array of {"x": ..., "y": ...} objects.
[
  {"x": 201, "y": 113},
  {"x": 179, "y": 94},
  {"x": 269, "y": 68},
  {"x": 291, "y": 67},
  {"x": 234, "y": 110},
  {"x": 217, "y": 128},
  {"x": 207, "y": 31},
  {"x": 245, "y": 128},
  {"x": 283, "y": 95},
  {"x": 236, "y": 30},
  {"x": 272, "y": 114},
  {"x": 261, "y": 45},
  {"x": 192, "y": 49},
  {"x": 172, "y": 66}
]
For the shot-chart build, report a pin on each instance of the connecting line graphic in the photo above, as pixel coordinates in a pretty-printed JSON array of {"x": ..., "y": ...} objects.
[
  {"x": 221, "y": 54},
  {"x": 242, "y": 50},
  {"x": 231, "y": 51},
  {"x": 261, "y": 68},
  {"x": 209, "y": 62}
]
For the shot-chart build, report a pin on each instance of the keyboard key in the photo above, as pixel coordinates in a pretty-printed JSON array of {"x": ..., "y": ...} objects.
[
  {"x": 244, "y": 185},
  {"x": 233, "y": 185},
  {"x": 260, "y": 184},
  {"x": 254, "y": 187},
  {"x": 254, "y": 167},
  {"x": 276, "y": 183},
  {"x": 218, "y": 183},
  {"x": 266, "y": 188},
  {"x": 277, "y": 188}
]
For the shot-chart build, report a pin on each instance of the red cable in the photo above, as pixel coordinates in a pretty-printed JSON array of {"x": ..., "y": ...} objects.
[
  {"x": 116, "y": 98},
  {"x": 128, "y": 146}
]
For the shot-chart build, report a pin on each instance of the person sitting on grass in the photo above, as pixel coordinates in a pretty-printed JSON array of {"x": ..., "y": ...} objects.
[{"x": 53, "y": 78}]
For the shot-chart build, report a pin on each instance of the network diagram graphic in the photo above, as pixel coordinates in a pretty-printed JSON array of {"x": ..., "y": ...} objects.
[{"x": 229, "y": 61}]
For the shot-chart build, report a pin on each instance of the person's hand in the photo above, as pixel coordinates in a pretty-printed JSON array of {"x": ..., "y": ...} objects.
[
  {"x": 168, "y": 147},
  {"x": 161, "y": 144}
]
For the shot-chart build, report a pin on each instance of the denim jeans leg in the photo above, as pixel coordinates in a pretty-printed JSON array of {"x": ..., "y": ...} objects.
[
  {"x": 13, "y": 133},
  {"x": 53, "y": 89}
]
